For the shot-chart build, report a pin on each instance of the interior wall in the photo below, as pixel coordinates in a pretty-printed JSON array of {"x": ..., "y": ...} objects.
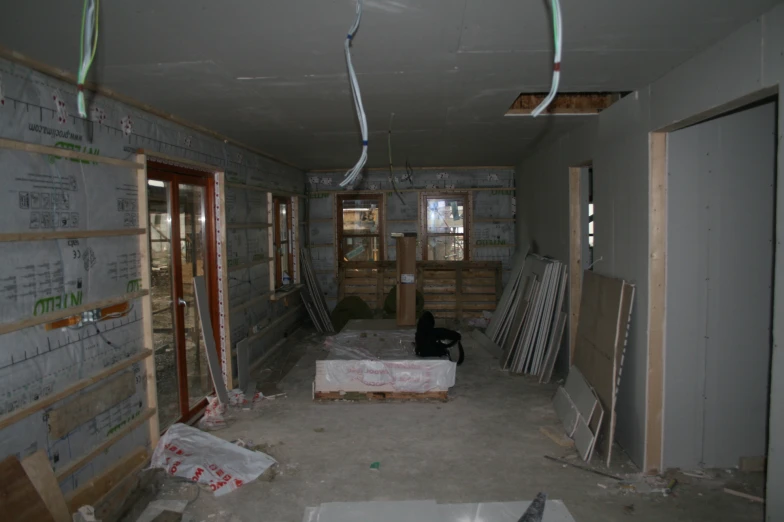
[
  {"x": 721, "y": 176},
  {"x": 494, "y": 213},
  {"x": 747, "y": 61},
  {"x": 57, "y": 194}
]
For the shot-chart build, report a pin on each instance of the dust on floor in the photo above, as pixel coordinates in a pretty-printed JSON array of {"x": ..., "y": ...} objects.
[{"x": 485, "y": 445}]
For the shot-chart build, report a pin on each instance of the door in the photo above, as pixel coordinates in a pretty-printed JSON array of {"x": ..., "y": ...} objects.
[{"x": 181, "y": 247}]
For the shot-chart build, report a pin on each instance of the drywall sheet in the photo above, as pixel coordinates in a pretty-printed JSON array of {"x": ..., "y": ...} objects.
[
  {"x": 40, "y": 277},
  {"x": 719, "y": 271}
]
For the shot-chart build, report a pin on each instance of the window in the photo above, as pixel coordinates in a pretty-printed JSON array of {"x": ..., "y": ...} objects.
[
  {"x": 445, "y": 227},
  {"x": 283, "y": 258},
  {"x": 360, "y": 230}
]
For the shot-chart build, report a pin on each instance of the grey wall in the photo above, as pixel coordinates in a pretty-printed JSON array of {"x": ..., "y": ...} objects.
[
  {"x": 494, "y": 223},
  {"x": 745, "y": 62},
  {"x": 719, "y": 289}
]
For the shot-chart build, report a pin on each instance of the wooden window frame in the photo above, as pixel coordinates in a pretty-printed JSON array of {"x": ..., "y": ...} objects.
[
  {"x": 339, "y": 234},
  {"x": 277, "y": 201},
  {"x": 468, "y": 208}
]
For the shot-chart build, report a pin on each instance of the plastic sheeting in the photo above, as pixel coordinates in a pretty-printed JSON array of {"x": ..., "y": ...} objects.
[
  {"x": 380, "y": 360},
  {"x": 190, "y": 453}
]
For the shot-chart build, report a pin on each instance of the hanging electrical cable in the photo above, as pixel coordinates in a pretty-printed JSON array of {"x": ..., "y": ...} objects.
[
  {"x": 87, "y": 47},
  {"x": 557, "y": 34},
  {"x": 353, "y": 174},
  {"x": 389, "y": 146}
]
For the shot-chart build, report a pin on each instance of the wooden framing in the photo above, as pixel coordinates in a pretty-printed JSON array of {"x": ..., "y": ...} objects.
[
  {"x": 144, "y": 246},
  {"x": 657, "y": 278},
  {"x": 575, "y": 255},
  {"x": 452, "y": 289},
  {"x": 221, "y": 245},
  {"x": 69, "y": 234}
]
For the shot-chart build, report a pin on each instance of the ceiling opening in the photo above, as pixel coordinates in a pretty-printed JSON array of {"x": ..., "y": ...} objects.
[{"x": 574, "y": 103}]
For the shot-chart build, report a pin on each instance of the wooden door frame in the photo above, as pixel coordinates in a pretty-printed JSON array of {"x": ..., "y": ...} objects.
[{"x": 174, "y": 174}]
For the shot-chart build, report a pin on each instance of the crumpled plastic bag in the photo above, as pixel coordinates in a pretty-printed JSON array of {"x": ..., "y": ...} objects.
[{"x": 187, "y": 452}]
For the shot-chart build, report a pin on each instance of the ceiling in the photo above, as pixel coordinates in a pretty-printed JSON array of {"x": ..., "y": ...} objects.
[{"x": 272, "y": 74}]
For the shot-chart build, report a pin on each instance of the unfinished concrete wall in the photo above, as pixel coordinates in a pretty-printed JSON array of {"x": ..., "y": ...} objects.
[
  {"x": 493, "y": 230},
  {"x": 745, "y": 62},
  {"x": 55, "y": 194},
  {"x": 719, "y": 289}
]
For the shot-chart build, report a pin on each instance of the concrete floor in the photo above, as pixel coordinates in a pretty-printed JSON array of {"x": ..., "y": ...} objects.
[{"x": 484, "y": 445}]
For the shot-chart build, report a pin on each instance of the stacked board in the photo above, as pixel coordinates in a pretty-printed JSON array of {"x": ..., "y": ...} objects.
[
  {"x": 314, "y": 297},
  {"x": 529, "y": 322}
]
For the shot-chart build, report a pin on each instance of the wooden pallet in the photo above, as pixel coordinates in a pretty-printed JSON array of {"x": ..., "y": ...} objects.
[{"x": 382, "y": 396}]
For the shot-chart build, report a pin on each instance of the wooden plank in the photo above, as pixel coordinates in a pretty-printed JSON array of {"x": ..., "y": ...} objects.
[
  {"x": 473, "y": 289},
  {"x": 91, "y": 492},
  {"x": 82, "y": 461},
  {"x": 752, "y": 464},
  {"x": 406, "y": 291},
  {"x": 575, "y": 256},
  {"x": 479, "y": 281},
  {"x": 146, "y": 276},
  {"x": 460, "y": 288},
  {"x": 39, "y": 471},
  {"x": 436, "y": 275},
  {"x": 624, "y": 318},
  {"x": 479, "y": 306},
  {"x": 88, "y": 405},
  {"x": 16, "y": 416},
  {"x": 741, "y": 494},
  {"x": 657, "y": 291},
  {"x": 203, "y": 307},
  {"x": 360, "y": 290},
  {"x": 440, "y": 306},
  {"x": 382, "y": 396},
  {"x": 439, "y": 289},
  {"x": 363, "y": 273},
  {"x": 69, "y": 312},
  {"x": 57, "y": 152},
  {"x": 182, "y": 162},
  {"x": 68, "y": 234},
  {"x": 19, "y": 499}
]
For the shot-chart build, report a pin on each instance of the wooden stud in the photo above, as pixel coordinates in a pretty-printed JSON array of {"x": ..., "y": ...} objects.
[
  {"x": 144, "y": 248},
  {"x": 76, "y": 465},
  {"x": 91, "y": 493},
  {"x": 35, "y": 148},
  {"x": 16, "y": 416},
  {"x": 68, "y": 234},
  {"x": 69, "y": 312},
  {"x": 40, "y": 473},
  {"x": 575, "y": 256},
  {"x": 657, "y": 269}
]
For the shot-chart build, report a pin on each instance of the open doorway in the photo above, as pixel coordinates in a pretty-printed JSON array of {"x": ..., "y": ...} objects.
[
  {"x": 182, "y": 246},
  {"x": 720, "y": 211}
]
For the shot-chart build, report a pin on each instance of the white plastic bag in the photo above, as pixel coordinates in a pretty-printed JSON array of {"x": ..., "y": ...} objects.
[{"x": 190, "y": 453}]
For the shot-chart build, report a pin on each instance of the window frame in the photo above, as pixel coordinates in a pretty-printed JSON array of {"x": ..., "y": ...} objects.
[
  {"x": 468, "y": 210},
  {"x": 340, "y": 235},
  {"x": 277, "y": 201}
]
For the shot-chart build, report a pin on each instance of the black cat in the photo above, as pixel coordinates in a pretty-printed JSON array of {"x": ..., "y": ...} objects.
[{"x": 435, "y": 342}]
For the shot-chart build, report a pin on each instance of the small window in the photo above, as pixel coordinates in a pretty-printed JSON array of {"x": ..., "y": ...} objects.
[
  {"x": 360, "y": 235},
  {"x": 284, "y": 260},
  {"x": 445, "y": 223}
]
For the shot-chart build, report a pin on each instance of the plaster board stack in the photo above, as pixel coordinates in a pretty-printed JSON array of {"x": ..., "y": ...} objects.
[
  {"x": 528, "y": 325},
  {"x": 580, "y": 411},
  {"x": 602, "y": 332}
]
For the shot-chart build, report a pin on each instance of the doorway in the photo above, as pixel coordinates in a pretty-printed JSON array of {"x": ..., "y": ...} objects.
[
  {"x": 181, "y": 247},
  {"x": 720, "y": 211}
]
